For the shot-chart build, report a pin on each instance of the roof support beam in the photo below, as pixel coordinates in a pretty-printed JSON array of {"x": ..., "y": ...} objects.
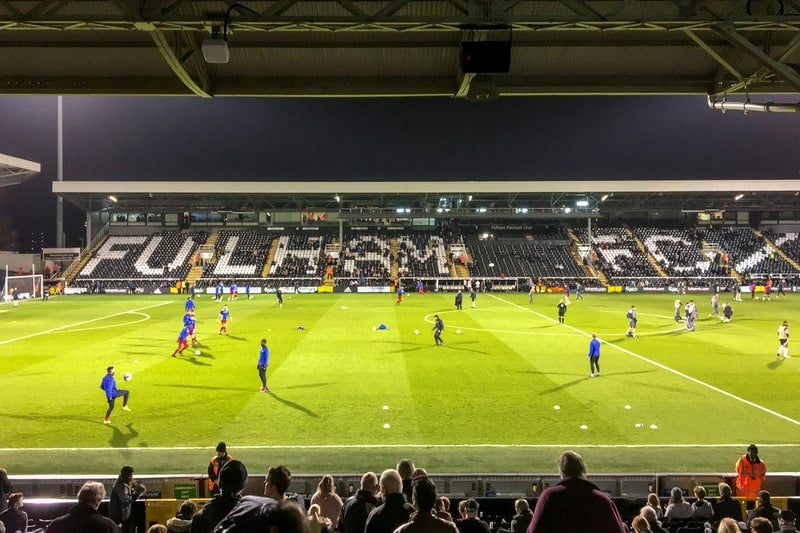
[{"x": 780, "y": 70}]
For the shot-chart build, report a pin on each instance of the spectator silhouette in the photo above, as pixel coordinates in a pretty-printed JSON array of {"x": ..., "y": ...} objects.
[
  {"x": 124, "y": 492},
  {"x": 231, "y": 480},
  {"x": 84, "y": 515},
  {"x": 702, "y": 509},
  {"x": 727, "y": 507},
  {"x": 330, "y": 504},
  {"x": 575, "y": 505},
  {"x": 405, "y": 467},
  {"x": 182, "y": 521},
  {"x": 424, "y": 520},
  {"x": 728, "y": 525},
  {"x": 395, "y": 510},
  {"x": 522, "y": 518},
  {"x": 677, "y": 509},
  {"x": 357, "y": 508},
  {"x": 765, "y": 509},
  {"x": 14, "y": 518},
  {"x": 5, "y": 489},
  {"x": 470, "y": 521}
]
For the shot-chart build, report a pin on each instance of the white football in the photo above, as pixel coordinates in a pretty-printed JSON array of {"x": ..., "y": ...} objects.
[
  {"x": 197, "y": 352},
  {"x": 458, "y": 332},
  {"x": 416, "y": 332},
  {"x": 127, "y": 376}
]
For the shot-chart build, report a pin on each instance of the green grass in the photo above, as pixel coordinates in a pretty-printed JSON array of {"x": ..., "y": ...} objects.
[{"x": 484, "y": 402}]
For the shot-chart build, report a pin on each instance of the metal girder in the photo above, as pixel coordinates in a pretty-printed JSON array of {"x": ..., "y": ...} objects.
[
  {"x": 784, "y": 72},
  {"x": 450, "y": 15}
]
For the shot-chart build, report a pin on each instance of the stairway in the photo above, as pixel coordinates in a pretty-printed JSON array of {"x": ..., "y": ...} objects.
[
  {"x": 640, "y": 245},
  {"x": 778, "y": 251},
  {"x": 196, "y": 272},
  {"x": 731, "y": 272},
  {"x": 271, "y": 254},
  {"x": 87, "y": 255},
  {"x": 394, "y": 267},
  {"x": 587, "y": 267}
]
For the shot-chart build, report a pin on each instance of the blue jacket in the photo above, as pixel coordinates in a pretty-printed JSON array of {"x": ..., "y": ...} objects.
[
  {"x": 263, "y": 357},
  {"x": 109, "y": 384},
  {"x": 594, "y": 348}
]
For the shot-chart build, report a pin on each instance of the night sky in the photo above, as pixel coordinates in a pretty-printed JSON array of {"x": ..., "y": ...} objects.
[{"x": 570, "y": 138}]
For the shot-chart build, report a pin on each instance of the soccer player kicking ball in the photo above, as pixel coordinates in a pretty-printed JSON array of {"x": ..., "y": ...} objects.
[
  {"x": 183, "y": 341},
  {"x": 109, "y": 386}
]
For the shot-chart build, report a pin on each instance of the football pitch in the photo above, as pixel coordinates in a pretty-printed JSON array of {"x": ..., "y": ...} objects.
[{"x": 508, "y": 391}]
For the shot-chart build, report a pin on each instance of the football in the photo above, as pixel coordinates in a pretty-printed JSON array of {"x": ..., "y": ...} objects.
[
  {"x": 127, "y": 376},
  {"x": 197, "y": 352}
]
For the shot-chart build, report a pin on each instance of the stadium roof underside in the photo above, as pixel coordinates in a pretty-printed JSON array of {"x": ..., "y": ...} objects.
[
  {"x": 14, "y": 170},
  {"x": 399, "y": 47},
  {"x": 358, "y": 199}
]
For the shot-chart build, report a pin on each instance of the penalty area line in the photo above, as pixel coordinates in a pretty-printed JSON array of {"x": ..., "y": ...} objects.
[
  {"x": 60, "y": 328},
  {"x": 663, "y": 367}
]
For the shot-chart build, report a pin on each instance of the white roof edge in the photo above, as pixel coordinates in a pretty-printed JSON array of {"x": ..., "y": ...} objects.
[
  {"x": 23, "y": 164},
  {"x": 432, "y": 186}
]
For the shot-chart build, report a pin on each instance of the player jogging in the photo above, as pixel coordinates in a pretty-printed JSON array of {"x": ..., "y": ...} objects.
[
  {"x": 109, "y": 386},
  {"x": 183, "y": 341},
  {"x": 224, "y": 316},
  {"x": 438, "y": 328},
  {"x": 234, "y": 291},
  {"x": 400, "y": 293},
  {"x": 279, "y": 296},
  {"x": 189, "y": 306},
  {"x": 783, "y": 338}
]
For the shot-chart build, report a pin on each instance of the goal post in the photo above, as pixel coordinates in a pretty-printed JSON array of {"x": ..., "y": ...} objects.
[{"x": 27, "y": 287}]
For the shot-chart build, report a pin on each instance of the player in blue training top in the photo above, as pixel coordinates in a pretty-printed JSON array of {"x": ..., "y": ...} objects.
[
  {"x": 183, "y": 341},
  {"x": 594, "y": 356},
  {"x": 234, "y": 291},
  {"x": 109, "y": 386},
  {"x": 189, "y": 305},
  {"x": 263, "y": 363},
  {"x": 224, "y": 316}
]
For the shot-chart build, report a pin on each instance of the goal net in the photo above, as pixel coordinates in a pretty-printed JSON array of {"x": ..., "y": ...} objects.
[{"x": 26, "y": 287}]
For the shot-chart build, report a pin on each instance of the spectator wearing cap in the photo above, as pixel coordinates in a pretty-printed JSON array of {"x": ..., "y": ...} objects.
[
  {"x": 232, "y": 479},
  {"x": 677, "y": 508},
  {"x": 575, "y": 505},
  {"x": 182, "y": 521},
  {"x": 750, "y": 472},
  {"x": 786, "y": 521},
  {"x": 215, "y": 465},
  {"x": 395, "y": 510},
  {"x": 765, "y": 509},
  {"x": 424, "y": 520},
  {"x": 470, "y": 521},
  {"x": 726, "y": 506}
]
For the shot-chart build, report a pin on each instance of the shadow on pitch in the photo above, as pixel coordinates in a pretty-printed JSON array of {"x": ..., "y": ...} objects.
[
  {"x": 775, "y": 364},
  {"x": 121, "y": 439},
  {"x": 201, "y": 387},
  {"x": 420, "y": 346},
  {"x": 293, "y": 405}
]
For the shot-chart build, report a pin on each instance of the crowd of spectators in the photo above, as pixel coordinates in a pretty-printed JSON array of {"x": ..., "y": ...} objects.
[{"x": 405, "y": 500}]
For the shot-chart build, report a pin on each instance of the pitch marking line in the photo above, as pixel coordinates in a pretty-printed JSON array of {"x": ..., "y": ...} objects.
[
  {"x": 663, "y": 367},
  {"x": 61, "y": 328},
  {"x": 399, "y": 446}
]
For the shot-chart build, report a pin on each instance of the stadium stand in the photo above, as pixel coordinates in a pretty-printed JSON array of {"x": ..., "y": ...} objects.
[
  {"x": 618, "y": 254},
  {"x": 422, "y": 254},
  {"x": 749, "y": 252},
  {"x": 241, "y": 253}
]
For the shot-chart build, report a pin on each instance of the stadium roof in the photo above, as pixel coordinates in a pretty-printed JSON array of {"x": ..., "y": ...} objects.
[
  {"x": 399, "y": 47},
  {"x": 14, "y": 170},
  {"x": 545, "y": 199}
]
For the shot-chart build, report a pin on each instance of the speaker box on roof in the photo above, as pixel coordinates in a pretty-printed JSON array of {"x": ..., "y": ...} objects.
[{"x": 482, "y": 57}]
